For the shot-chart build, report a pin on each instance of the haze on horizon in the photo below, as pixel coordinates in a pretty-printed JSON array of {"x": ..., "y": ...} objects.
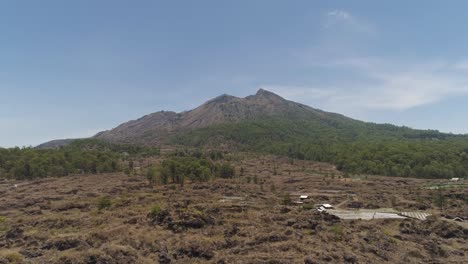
[{"x": 72, "y": 69}]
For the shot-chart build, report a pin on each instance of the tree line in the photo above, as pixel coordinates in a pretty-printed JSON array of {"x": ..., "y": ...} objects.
[
  {"x": 82, "y": 156},
  {"x": 353, "y": 146},
  {"x": 178, "y": 169}
]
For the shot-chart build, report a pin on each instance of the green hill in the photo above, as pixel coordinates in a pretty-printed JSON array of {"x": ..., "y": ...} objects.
[
  {"x": 268, "y": 123},
  {"x": 355, "y": 147}
]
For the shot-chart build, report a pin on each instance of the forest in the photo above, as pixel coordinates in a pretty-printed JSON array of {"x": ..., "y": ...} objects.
[
  {"x": 196, "y": 168},
  {"x": 95, "y": 156},
  {"x": 81, "y": 156},
  {"x": 354, "y": 147}
]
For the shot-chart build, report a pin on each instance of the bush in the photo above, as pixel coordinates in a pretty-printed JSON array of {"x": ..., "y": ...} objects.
[
  {"x": 3, "y": 223},
  {"x": 14, "y": 257},
  {"x": 227, "y": 171},
  {"x": 308, "y": 207},
  {"x": 157, "y": 215},
  {"x": 337, "y": 231},
  {"x": 216, "y": 155},
  {"x": 286, "y": 199},
  {"x": 104, "y": 203},
  {"x": 155, "y": 211},
  {"x": 151, "y": 175}
]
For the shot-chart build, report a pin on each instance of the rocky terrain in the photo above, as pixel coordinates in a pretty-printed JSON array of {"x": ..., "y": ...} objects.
[
  {"x": 154, "y": 128},
  {"x": 115, "y": 218}
]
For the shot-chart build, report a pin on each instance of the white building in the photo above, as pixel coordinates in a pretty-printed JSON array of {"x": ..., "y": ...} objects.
[{"x": 324, "y": 207}]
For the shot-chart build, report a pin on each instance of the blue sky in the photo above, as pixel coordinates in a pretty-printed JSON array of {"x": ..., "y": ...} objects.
[{"x": 73, "y": 68}]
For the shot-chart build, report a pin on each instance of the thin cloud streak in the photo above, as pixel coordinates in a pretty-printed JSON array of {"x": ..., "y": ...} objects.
[
  {"x": 345, "y": 20},
  {"x": 393, "y": 85},
  {"x": 362, "y": 82}
]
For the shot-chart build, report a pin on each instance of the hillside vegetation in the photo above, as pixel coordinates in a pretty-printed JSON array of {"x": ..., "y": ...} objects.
[
  {"x": 266, "y": 122},
  {"x": 196, "y": 168},
  {"x": 81, "y": 156},
  {"x": 355, "y": 147}
]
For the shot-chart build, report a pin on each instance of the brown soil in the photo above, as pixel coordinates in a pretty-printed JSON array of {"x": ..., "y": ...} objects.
[{"x": 242, "y": 220}]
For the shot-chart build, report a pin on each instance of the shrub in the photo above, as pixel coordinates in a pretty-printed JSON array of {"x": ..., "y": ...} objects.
[
  {"x": 308, "y": 207},
  {"x": 14, "y": 257},
  {"x": 104, "y": 203},
  {"x": 151, "y": 175},
  {"x": 3, "y": 223},
  {"x": 216, "y": 155},
  {"x": 157, "y": 215},
  {"x": 337, "y": 231},
  {"x": 286, "y": 199},
  {"x": 227, "y": 171},
  {"x": 155, "y": 211}
]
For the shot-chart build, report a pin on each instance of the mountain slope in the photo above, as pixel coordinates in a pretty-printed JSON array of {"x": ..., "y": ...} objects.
[
  {"x": 360, "y": 148},
  {"x": 157, "y": 127},
  {"x": 266, "y": 122},
  {"x": 264, "y": 109}
]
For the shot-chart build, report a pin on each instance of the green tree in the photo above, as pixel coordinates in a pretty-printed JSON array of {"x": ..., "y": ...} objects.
[{"x": 151, "y": 175}]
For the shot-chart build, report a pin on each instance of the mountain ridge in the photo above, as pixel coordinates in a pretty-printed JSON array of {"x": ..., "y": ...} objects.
[
  {"x": 267, "y": 123},
  {"x": 153, "y": 128}
]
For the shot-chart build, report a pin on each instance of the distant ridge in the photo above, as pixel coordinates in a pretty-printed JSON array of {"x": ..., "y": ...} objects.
[
  {"x": 155, "y": 128},
  {"x": 54, "y": 144},
  {"x": 161, "y": 127}
]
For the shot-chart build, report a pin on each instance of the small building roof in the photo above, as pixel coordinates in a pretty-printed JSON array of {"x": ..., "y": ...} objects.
[
  {"x": 304, "y": 196},
  {"x": 417, "y": 215},
  {"x": 327, "y": 205}
]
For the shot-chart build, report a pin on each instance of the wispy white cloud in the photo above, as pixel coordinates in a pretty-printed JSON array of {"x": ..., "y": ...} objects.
[
  {"x": 365, "y": 82},
  {"x": 340, "y": 14},
  {"x": 343, "y": 19},
  {"x": 386, "y": 85}
]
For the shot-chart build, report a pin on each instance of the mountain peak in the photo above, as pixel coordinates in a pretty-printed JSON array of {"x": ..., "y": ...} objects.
[
  {"x": 265, "y": 95},
  {"x": 220, "y": 110},
  {"x": 221, "y": 99},
  {"x": 263, "y": 92}
]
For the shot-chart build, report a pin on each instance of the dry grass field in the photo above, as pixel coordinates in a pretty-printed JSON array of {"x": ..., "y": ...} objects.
[{"x": 115, "y": 218}]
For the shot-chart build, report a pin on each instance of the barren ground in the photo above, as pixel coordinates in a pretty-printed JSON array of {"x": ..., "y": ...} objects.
[{"x": 243, "y": 220}]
